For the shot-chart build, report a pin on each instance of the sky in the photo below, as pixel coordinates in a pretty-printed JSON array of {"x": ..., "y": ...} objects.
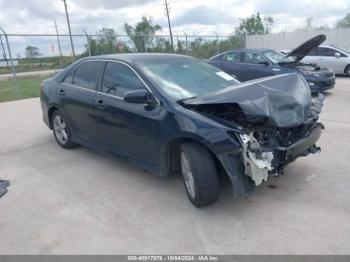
[{"x": 195, "y": 17}]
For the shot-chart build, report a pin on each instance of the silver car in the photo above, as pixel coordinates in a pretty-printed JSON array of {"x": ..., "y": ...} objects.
[{"x": 330, "y": 57}]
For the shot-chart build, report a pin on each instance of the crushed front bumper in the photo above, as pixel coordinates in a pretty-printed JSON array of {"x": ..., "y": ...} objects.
[{"x": 302, "y": 147}]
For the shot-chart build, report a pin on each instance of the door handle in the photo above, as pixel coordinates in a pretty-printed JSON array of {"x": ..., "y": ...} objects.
[
  {"x": 62, "y": 93},
  {"x": 101, "y": 104}
]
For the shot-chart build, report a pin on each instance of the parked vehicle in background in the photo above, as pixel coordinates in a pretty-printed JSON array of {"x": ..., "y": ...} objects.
[
  {"x": 172, "y": 113},
  {"x": 247, "y": 64},
  {"x": 331, "y": 57}
]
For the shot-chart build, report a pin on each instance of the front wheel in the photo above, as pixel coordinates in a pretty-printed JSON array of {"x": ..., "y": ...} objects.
[
  {"x": 61, "y": 131},
  {"x": 199, "y": 174},
  {"x": 347, "y": 70}
]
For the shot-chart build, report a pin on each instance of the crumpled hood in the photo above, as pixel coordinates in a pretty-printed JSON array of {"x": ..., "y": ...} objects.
[
  {"x": 301, "y": 51},
  {"x": 282, "y": 101}
]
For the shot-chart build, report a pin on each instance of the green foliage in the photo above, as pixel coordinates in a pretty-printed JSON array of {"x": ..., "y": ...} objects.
[
  {"x": 106, "y": 42},
  {"x": 345, "y": 22},
  {"x": 142, "y": 34},
  {"x": 255, "y": 25},
  {"x": 27, "y": 87},
  {"x": 32, "y": 51}
]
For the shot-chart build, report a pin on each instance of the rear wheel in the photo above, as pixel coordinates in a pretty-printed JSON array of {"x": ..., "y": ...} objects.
[
  {"x": 199, "y": 174},
  {"x": 61, "y": 130}
]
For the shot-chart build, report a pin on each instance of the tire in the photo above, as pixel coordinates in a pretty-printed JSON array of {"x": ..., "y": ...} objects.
[
  {"x": 199, "y": 174},
  {"x": 61, "y": 131},
  {"x": 347, "y": 70}
]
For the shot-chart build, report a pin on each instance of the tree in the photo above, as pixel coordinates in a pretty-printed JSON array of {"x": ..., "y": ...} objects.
[
  {"x": 32, "y": 51},
  {"x": 309, "y": 25},
  {"x": 106, "y": 42},
  {"x": 255, "y": 25},
  {"x": 143, "y": 33},
  {"x": 345, "y": 22}
]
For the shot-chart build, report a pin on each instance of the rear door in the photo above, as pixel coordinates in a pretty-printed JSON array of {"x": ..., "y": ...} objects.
[
  {"x": 230, "y": 63},
  {"x": 124, "y": 128},
  {"x": 77, "y": 93},
  {"x": 257, "y": 66}
]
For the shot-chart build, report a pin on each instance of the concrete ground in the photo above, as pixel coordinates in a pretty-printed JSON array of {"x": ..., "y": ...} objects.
[{"x": 84, "y": 202}]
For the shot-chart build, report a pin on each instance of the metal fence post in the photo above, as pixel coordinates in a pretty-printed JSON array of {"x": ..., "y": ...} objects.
[
  {"x": 186, "y": 42},
  {"x": 146, "y": 44},
  {"x": 4, "y": 53},
  {"x": 88, "y": 41},
  {"x": 9, "y": 51},
  {"x": 217, "y": 43},
  {"x": 11, "y": 61}
]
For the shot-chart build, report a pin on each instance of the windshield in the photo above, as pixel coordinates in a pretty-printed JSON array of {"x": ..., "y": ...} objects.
[
  {"x": 277, "y": 57},
  {"x": 181, "y": 79}
]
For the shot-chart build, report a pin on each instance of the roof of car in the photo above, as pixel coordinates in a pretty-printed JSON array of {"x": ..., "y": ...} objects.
[
  {"x": 257, "y": 50},
  {"x": 140, "y": 57}
]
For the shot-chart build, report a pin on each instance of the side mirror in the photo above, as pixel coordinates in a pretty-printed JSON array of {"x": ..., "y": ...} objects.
[
  {"x": 337, "y": 54},
  {"x": 137, "y": 96},
  {"x": 264, "y": 62}
]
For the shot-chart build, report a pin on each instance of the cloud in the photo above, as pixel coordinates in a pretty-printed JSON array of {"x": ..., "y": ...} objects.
[
  {"x": 108, "y": 4},
  {"x": 204, "y": 16}
]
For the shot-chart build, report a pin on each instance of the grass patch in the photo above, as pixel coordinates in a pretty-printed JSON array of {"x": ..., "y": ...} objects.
[{"x": 28, "y": 87}]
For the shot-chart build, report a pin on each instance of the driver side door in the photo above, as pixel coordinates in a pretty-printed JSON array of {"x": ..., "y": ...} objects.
[{"x": 125, "y": 129}]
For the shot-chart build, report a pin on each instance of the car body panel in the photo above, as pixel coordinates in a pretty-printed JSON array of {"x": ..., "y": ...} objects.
[{"x": 337, "y": 64}]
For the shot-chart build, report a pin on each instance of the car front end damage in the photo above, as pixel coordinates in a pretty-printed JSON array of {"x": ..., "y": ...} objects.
[{"x": 274, "y": 121}]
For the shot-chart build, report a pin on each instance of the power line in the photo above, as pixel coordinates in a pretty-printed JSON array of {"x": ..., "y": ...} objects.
[{"x": 167, "y": 14}]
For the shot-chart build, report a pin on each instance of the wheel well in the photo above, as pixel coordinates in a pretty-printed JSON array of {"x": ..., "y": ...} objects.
[
  {"x": 50, "y": 113},
  {"x": 173, "y": 153}
]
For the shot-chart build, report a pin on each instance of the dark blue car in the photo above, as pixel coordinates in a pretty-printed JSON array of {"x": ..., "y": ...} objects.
[
  {"x": 247, "y": 64},
  {"x": 176, "y": 114}
]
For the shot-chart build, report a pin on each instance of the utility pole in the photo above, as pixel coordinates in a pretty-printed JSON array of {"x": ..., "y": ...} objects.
[
  {"x": 58, "y": 40},
  {"x": 167, "y": 14},
  {"x": 70, "y": 33}
]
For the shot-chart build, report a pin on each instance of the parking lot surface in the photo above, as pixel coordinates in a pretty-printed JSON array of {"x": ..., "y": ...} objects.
[{"x": 85, "y": 202}]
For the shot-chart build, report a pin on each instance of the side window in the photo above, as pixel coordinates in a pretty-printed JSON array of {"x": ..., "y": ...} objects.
[
  {"x": 69, "y": 78},
  {"x": 312, "y": 52},
  {"x": 86, "y": 74},
  {"x": 119, "y": 79},
  {"x": 253, "y": 58},
  {"x": 324, "y": 51},
  {"x": 232, "y": 57}
]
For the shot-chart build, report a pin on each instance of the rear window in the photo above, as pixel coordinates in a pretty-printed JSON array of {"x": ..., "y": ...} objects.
[{"x": 85, "y": 75}]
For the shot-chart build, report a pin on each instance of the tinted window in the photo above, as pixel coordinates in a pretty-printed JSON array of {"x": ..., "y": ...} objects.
[
  {"x": 324, "y": 51},
  {"x": 86, "y": 74},
  {"x": 232, "y": 57},
  {"x": 253, "y": 58},
  {"x": 69, "y": 78},
  {"x": 119, "y": 79}
]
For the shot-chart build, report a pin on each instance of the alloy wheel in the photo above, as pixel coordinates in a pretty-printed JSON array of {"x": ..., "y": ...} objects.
[{"x": 60, "y": 129}]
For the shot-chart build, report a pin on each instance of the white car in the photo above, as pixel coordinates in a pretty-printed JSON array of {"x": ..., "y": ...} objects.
[{"x": 330, "y": 57}]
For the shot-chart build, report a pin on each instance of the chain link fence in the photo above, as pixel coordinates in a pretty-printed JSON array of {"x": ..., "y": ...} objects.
[{"x": 49, "y": 52}]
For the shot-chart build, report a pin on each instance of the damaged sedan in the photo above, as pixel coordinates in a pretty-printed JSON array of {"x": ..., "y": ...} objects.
[
  {"x": 252, "y": 63},
  {"x": 176, "y": 114}
]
